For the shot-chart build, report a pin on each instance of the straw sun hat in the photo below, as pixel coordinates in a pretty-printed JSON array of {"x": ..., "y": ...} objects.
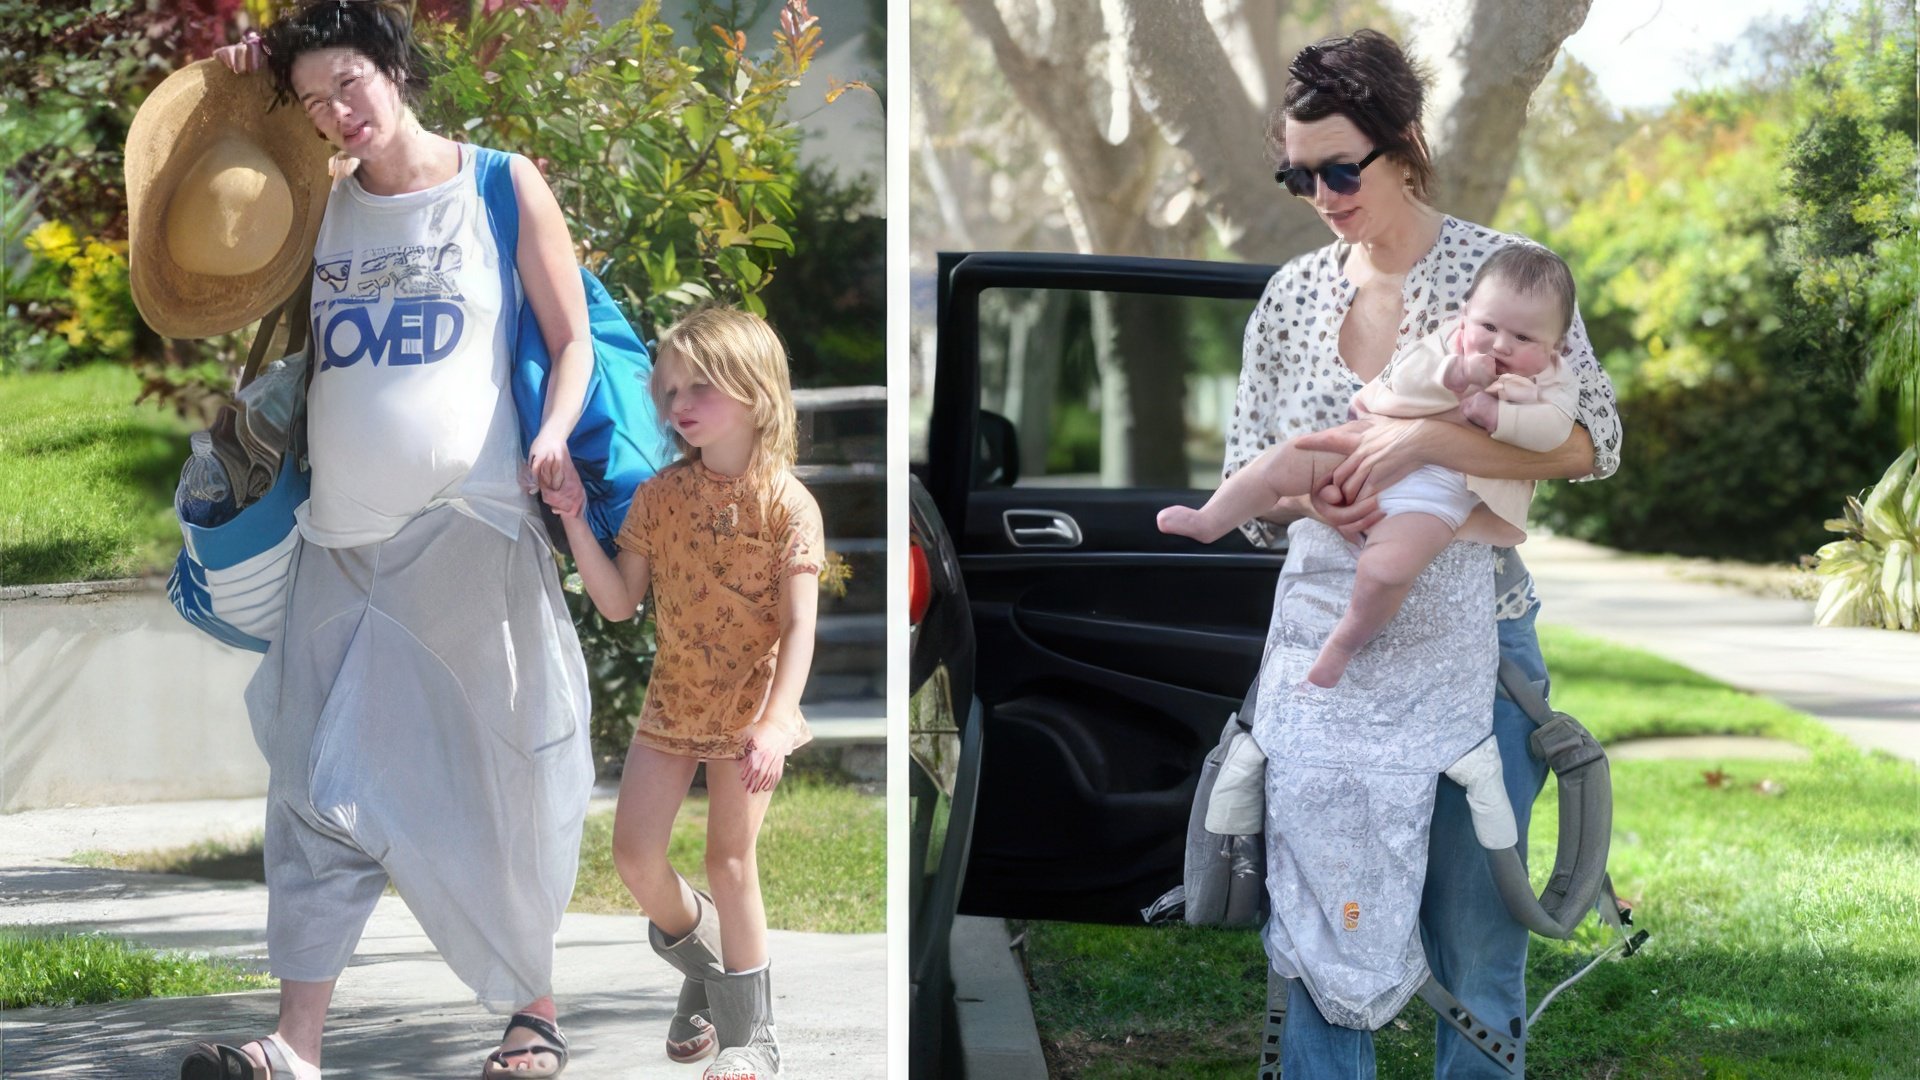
[{"x": 224, "y": 200}]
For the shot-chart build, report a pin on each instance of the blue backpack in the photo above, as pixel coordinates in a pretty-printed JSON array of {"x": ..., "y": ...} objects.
[{"x": 619, "y": 441}]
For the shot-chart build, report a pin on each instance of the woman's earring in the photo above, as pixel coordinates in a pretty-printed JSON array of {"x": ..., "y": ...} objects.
[{"x": 1406, "y": 175}]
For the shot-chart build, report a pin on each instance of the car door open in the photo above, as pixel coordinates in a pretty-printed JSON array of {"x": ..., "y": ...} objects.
[{"x": 1073, "y": 397}]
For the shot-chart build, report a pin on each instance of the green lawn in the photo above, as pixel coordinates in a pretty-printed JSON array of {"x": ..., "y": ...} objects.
[
  {"x": 86, "y": 493},
  {"x": 88, "y": 969},
  {"x": 1785, "y": 921}
]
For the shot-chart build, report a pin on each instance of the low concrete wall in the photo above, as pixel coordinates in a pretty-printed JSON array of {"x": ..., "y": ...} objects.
[{"x": 108, "y": 697}]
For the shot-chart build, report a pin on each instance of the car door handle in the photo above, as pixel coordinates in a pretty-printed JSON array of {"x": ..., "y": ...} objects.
[{"x": 1041, "y": 529}]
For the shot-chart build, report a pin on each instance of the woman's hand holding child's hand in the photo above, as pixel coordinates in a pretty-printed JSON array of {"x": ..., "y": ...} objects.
[
  {"x": 766, "y": 756},
  {"x": 548, "y": 459},
  {"x": 567, "y": 496},
  {"x": 1350, "y": 520},
  {"x": 1380, "y": 452}
]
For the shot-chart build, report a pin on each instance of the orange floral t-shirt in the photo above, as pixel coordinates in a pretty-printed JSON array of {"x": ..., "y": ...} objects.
[{"x": 719, "y": 573}]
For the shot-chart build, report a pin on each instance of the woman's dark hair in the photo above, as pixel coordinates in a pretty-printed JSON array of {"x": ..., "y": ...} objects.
[
  {"x": 1370, "y": 81},
  {"x": 376, "y": 29},
  {"x": 1532, "y": 269}
]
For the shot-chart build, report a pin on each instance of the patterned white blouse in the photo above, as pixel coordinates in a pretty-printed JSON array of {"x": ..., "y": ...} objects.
[{"x": 1293, "y": 381}]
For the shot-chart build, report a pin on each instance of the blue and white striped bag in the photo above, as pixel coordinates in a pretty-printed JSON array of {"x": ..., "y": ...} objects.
[{"x": 231, "y": 579}]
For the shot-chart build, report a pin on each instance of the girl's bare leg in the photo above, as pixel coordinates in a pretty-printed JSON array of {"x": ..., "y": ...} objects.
[
  {"x": 1279, "y": 472},
  {"x": 651, "y": 791},
  {"x": 1397, "y": 550},
  {"x": 733, "y": 869}
]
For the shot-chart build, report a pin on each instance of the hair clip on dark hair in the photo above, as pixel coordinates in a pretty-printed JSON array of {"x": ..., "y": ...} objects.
[{"x": 1309, "y": 68}]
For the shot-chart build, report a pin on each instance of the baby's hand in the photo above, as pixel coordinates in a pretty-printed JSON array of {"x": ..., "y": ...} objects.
[
  {"x": 1478, "y": 368},
  {"x": 1515, "y": 388},
  {"x": 1482, "y": 410}
]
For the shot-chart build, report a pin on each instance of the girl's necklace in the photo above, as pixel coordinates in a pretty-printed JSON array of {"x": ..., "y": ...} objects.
[{"x": 724, "y": 504}]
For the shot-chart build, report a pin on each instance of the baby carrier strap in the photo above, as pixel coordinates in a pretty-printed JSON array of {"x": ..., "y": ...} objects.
[
  {"x": 1579, "y": 882},
  {"x": 618, "y": 442}
]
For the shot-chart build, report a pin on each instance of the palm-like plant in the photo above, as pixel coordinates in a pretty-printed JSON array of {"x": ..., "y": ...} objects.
[
  {"x": 1893, "y": 311},
  {"x": 1873, "y": 573}
]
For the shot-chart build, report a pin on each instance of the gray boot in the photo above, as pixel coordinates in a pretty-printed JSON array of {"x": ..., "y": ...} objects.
[
  {"x": 743, "y": 1019},
  {"x": 696, "y": 956}
]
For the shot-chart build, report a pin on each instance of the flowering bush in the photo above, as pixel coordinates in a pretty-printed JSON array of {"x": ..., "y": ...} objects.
[{"x": 101, "y": 319}]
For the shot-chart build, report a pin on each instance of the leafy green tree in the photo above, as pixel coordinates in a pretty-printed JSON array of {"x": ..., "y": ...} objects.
[
  {"x": 1723, "y": 248},
  {"x": 672, "y": 158},
  {"x": 829, "y": 301},
  {"x": 1851, "y": 204}
]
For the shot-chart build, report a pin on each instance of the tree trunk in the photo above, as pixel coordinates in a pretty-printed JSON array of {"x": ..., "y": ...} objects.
[
  {"x": 1488, "y": 56},
  {"x": 1143, "y": 391}
]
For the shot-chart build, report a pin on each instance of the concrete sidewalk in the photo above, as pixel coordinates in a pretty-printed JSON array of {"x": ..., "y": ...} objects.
[
  {"x": 397, "y": 1011},
  {"x": 1864, "y": 683}
]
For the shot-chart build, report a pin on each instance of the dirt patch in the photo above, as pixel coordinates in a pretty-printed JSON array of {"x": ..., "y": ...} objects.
[
  {"x": 1167, "y": 1052},
  {"x": 1707, "y": 748}
]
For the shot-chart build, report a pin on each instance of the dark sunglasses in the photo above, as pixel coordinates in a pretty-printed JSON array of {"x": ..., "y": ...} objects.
[{"x": 1341, "y": 178}]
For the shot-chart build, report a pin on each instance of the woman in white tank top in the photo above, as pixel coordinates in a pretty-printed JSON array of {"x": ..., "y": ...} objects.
[{"x": 424, "y": 714}]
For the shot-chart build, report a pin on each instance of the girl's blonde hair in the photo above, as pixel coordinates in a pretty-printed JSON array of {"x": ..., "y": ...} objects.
[{"x": 739, "y": 354}]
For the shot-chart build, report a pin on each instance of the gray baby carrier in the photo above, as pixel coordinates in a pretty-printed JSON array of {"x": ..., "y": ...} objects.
[{"x": 1225, "y": 874}]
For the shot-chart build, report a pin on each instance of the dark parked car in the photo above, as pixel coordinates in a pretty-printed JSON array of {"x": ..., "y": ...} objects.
[{"x": 1071, "y": 665}]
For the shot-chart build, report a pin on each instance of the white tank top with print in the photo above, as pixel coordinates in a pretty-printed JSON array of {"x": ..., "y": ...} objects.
[{"x": 409, "y": 406}]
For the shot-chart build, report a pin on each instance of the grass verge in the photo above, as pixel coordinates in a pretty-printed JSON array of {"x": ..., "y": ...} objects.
[
  {"x": 1783, "y": 898},
  {"x": 88, "y": 969},
  {"x": 222, "y": 860},
  {"x": 822, "y": 858},
  {"x": 87, "y": 492}
]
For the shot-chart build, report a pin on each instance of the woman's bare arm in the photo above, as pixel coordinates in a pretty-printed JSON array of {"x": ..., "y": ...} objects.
[
  {"x": 551, "y": 278},
  {"x": 1381, "y": 451}
]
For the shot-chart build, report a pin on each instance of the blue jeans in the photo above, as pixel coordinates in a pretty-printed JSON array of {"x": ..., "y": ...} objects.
[{"x": 1474, "y": 947}]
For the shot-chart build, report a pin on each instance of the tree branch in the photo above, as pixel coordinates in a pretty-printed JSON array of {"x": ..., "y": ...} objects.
[{"x": 1186, "y": 82}]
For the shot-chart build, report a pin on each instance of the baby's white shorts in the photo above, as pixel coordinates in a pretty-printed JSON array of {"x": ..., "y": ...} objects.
[{"x": 1431, "y": 489}]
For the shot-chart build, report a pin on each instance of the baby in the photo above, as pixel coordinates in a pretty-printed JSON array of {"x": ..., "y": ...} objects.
[{"x": 1497, "y": 367}]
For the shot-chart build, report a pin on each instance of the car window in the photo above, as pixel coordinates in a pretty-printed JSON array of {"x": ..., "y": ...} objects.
[{"x": 1106, "y": 389}]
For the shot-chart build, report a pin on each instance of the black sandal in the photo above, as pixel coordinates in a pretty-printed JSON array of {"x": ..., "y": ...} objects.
[
  {"x": 217, "y": 1061},
  {"x": 498, "y": 1064}
]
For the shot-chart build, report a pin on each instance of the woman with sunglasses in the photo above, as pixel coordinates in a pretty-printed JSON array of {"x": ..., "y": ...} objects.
[
  {"x": 424, "y": 711},
  {"x": 1348, "y": 137}
]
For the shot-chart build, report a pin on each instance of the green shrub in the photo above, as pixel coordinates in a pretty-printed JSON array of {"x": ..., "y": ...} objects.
[
  {"x": 829, "y": 299},
  {"x": 1737, "y": 467}
]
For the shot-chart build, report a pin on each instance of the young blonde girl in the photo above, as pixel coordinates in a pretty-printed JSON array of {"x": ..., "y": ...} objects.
[{"x": 731, "y": 545}]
